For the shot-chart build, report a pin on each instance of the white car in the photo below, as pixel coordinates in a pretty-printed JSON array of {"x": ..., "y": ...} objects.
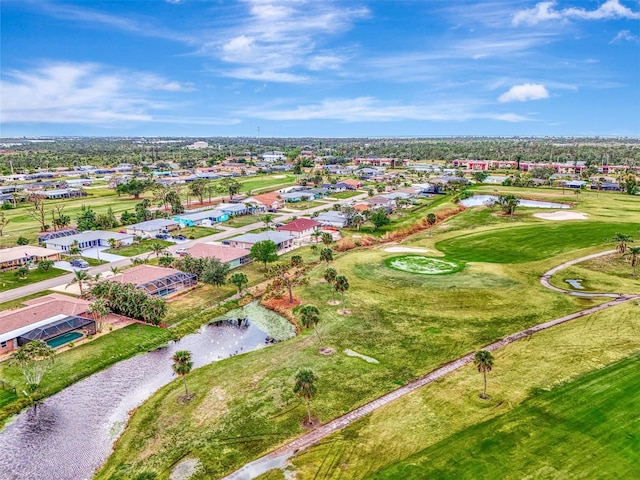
[{"x": 181, "y": 251}]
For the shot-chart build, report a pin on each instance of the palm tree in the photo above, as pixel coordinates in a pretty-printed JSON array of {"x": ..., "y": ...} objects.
[
  {"x": 158, "y": 249},
  {"x": 326, "y": 238},
  {"x": 483, "y": 360},
  {"x": 182, "y": 365},
  {"x": 330, "y": 277},
  {"x": 116, "y": 270},
  {"x": 635, "y": 258},
  {"x": 79, "y": 276},
  {"x": 310, "y": 316},
  {"x": 326, "y": 255},
  {"x": 622, "y": 239},
  {"x": 357, "y": 221},
  {"x": 240, "y": 280},
  {"x": 305, "y": 387},
  {"x": 267, "y": 219},
  {"x": 99, "y": 309},
  {"x": 341, "y": 284},
  {"x": 316, "y": 235}
]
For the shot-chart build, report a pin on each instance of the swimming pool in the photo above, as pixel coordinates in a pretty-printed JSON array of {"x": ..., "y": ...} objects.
[{"x": 62, "y": 339}]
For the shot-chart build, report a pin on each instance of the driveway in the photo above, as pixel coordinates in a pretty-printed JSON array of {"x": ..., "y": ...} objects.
[{"x": 99, "y": 254}]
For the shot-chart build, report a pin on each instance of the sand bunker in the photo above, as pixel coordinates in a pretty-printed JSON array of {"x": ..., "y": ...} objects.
[
  {"x": 405, "y": 249},
  {"x": 560, "y": 216}
]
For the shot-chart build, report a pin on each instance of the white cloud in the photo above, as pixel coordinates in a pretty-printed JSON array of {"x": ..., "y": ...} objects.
[
  {"x": 625, "y": 36},
  {"x": 546, "y": 11},
  {"x": 274, "y": 38},
  {"x": 369, "y": 109},
  {"x": 524, "y": 92},
  {"x": 80, "y": 93}
]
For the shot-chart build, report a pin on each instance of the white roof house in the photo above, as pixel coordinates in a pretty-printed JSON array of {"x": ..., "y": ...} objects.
[
  {"x": 151, "y": 228},
  {"x": 89, "y": 239}
]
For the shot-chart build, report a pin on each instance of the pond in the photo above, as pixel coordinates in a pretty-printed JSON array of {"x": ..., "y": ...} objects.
[
  {"x": 69, "y": 435},
  {"x": 480, "y": 200},
  {"x": 421, "y": 265}
]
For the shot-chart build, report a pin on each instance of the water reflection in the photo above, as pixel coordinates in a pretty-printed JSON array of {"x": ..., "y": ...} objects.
[
  {"x": 67, "y": 436},
  {"x": 478, "y": 200}
]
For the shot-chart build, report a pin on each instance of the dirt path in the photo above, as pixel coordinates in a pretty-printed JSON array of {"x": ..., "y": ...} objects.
[{"x": 277, "y": 458}]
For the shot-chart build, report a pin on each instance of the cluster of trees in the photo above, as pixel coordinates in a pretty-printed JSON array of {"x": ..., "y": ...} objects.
[
  {"x": 209, "y": 270},
  {"x": 126, "y": 299}
]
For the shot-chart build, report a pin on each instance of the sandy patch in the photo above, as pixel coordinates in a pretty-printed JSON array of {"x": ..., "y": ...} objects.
[
  {"x": 278, "y": 176},
  {"x": 352, "y": 353},
  {"x": 405, "y": 250},
  {"x": 560, "y": 216}
]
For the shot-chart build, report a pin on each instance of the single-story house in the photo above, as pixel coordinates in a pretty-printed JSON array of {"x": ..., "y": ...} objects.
[
  {"x": 14, "y": 257},
  {"x": 352, "y": 183},
  {"x": 427, "y": 188},
  {"x": 381, "y": 202},
  {"x": 233, "y": 209},
  {"x": 61, "y": 193},
  {"x": 301, "y": 227},
  {"x": 158, "y": 281},
  {"x": 575, "y": 184},
  {"x": 294, "y": 197},
  {"x": 319, "y": 192},
  {"x": 283, "y": 240},
  {"x": 204, "y": 217},
  {"x": 233, "y": 257},
  {"x": 44, "y": 318},
  {"x": 332, "y": 219},
  {"x": 607, "y": 186},
  {"x": 268, "y": 201},
  {"x": 397, "y": 196},
  {"x": 42, "y": 239},
  {"x": 368, "y": 172},
  {"x": 151, "y": 228},
  {"x": 89, "y": 239}
]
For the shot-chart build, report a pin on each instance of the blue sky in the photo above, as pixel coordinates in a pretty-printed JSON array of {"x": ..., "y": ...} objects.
[{"x": 320, "y": 67}]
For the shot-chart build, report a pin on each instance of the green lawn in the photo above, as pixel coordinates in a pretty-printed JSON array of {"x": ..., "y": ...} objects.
[
  {"x": 9, "y": 279},
  {"x": 242, "y": 220},
  {"x": 303, "y": 205},
  {"x": 587, "y": 428},
  {"x": 81, "y": 361},
  {"x": 196, "y": 232},
  {"x": 411, "y": 430},
  {"x": 137, "y": 248},
  {"x": 530, "y": 243},
  {"x": 345, "y": 194}
]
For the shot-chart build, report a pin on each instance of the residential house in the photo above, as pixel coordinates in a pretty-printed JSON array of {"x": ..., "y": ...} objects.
[
  {"x": 233, "y": 257},
  {"x": 204, "y": 218},
  {"x": 61, "y": 193},
  {"x": 272, "y": 157},
  {"x": 14, "y": 257},
  {"x": 89, "y": 239},
  {"x": 366, "y": 173},
  {"x": 233, "y": 209},
  {"x": 157, "y": 281},
  {"x": 294, "y": 197},
  {"x": 151, "y": 228},
  {"x": 301, "y": 227},
  {"x": 332, "y": 219},
  {"x": 352, "y": 183},
  {"x": 283, "y": 240},
  {"x": 44, "y": 318},
  {"x": 388, "y": 204},
  {"x": 268, "y": 201}
]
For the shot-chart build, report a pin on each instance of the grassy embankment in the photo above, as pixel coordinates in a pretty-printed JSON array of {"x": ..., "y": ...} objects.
[
  {"x": 245, "y": 406},
  {"x": 543, "y": 420},
  {"x": 73, "y": 364}
]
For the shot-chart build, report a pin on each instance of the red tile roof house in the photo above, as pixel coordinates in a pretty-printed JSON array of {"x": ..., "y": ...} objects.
[
  {"x": 301, "y": 227},
  {"x": 157, "y": 281},
  {"x": 233, "y": 257},
  {"x": 45, "y": 318},
  {"x": 352, "y": 183},
  {"x": 270, "y": 201}
]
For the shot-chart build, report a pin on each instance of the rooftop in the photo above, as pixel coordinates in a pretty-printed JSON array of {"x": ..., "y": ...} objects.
[
  {"x": 223, "y": 253},
  {"x": 299, "y": 225},
  {"x": 11, "y": 253}
]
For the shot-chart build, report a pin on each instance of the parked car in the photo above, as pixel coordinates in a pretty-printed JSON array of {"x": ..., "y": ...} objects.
[
  {"x": 79, "y": 263},
  {"x": 162, "y": 236},
  {"x": 180, "y": 237},
  {"x": 181, "y": 251}
]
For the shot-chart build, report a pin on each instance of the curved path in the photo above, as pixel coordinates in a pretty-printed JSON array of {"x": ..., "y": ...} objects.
[{"x": 278, "y": 458}]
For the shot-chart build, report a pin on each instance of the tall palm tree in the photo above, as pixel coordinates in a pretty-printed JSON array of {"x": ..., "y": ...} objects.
[
  {"x": 326, "y": 255},
  {"x": 341, "y": 285},
  {"x": 310, "y": 316},
  {"x": 182, "y": 365},
  {"x": 635, "y": 258},
  {"x": 316, "y": 235},
  {"x": 326, "y": 238},
  {"x": 330, "y": 277},
  {"x": 621, "y": 239},
  {"x": 267, "y": 219},
  {"x": 158, "y": 249},
  {"x": 79, "y": 276},
  {"x": 483, "y": 360},
  {"x": 99, "y": 309},
  {"x": 305, "y": 387}
]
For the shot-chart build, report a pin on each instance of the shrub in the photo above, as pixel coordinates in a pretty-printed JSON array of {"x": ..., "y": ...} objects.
[{"x": 22, "y": 240}]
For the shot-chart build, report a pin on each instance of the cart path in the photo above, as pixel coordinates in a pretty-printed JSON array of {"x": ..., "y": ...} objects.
[{"x": 278, "y": 457}]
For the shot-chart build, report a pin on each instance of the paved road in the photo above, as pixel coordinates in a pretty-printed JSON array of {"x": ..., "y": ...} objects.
[
  {"x": 278, "y": 458},
  {"x": 226, "y": 233}
]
